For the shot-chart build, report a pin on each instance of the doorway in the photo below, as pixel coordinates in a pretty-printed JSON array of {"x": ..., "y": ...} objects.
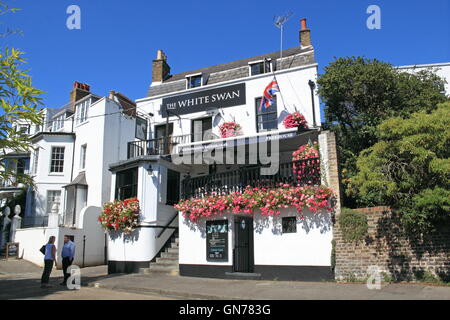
[{"x": 243, "y": 260}]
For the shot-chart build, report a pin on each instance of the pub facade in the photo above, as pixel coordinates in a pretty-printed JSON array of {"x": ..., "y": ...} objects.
[{"x": 216, "y": 164}]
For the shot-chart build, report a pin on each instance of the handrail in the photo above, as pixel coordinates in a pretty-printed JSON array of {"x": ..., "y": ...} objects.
[{"x": 167, "y": 225}]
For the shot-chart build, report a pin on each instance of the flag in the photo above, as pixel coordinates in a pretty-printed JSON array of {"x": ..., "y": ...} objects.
[{"x": 269, "y": 93}]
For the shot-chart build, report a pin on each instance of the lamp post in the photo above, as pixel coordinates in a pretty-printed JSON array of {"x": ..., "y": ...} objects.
[{"x": 312, "y": 86}]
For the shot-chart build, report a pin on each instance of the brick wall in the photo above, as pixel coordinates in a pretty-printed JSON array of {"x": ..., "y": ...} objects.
[{"x": 389, "y": 247}]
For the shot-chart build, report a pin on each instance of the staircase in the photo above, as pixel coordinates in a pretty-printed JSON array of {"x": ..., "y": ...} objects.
[{"x": 167, "y": 263}]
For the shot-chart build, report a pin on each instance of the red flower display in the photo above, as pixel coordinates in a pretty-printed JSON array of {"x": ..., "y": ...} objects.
[
  {"x": 307, "y": 163},
  {"x": 230, "y": 129},
  {"x": 120, "y": 215},
  {"x": 295, "y": 120},
  {"x": 269, "y": 201}
]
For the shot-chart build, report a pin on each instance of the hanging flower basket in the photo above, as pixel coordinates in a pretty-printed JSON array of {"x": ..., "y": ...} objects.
[
  {"x": 230, "y": 129},
  {"x": 295, "y": 120},
  {"x": 306, "y": 163},
  {"x": 120, "y": 215}
]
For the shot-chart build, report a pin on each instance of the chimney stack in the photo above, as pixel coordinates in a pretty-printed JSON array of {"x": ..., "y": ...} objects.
[
  {"x": 79, "y": 91},
  {"x": 305, "y": 34},
  {"x": 160, "y": 69}
]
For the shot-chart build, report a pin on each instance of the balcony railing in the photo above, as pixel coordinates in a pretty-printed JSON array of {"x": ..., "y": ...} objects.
[
  {"x": 304, "y": 172},
  {"x": 160, "y": 146},
  {"x": 34, "y": 222}
]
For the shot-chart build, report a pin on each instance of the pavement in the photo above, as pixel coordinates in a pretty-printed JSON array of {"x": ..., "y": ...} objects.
[{"x": 20, "y": 280}]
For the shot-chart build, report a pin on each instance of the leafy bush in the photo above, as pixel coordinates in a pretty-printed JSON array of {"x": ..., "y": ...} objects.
[
  {"x": 353, "y": 225},
  {"x": 409, "y": 169}
]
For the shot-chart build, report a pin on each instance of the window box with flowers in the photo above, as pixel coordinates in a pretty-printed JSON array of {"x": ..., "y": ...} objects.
[
  {"x": 230, "y": 129},
  {"x": 268, "y": 202},
  {"x": 295, "y": 120},
  {"x": 120, "y": 215}
]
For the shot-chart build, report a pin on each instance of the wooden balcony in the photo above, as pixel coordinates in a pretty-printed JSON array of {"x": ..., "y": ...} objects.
[{"x": 298, "y": 173}]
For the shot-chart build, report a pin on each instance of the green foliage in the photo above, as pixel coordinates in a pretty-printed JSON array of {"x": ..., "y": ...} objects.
[
  {"x": 19, "y": 199},
  {"x": 409, "y": 168},
  {"x": 360, "y": 93},
  {"x": 353, "y": 225},
  {"x": 19, "y": 102}
]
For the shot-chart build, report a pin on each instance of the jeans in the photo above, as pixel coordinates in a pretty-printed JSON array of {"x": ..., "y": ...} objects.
[
  {"x": 66, "y": 263},
  {"x": 47, "y": 270}
]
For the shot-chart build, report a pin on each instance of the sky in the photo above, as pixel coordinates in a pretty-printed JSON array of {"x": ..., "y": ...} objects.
[{"x": 118, "y": 40}]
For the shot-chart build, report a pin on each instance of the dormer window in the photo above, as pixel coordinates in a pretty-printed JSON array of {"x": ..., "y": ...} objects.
[
  {"x": 194, "y": 81},
  {"x": 260, "y": 67}
]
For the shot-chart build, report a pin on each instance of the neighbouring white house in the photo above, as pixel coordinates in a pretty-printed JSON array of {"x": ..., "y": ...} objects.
[
  {"x": 69, "y": 165},
  {"x": 184, "y": 114},
  {"x": 441, "y": 69}
]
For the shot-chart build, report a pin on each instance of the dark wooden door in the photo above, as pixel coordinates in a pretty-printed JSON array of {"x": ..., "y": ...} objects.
[{"x": 243, "y": 244}]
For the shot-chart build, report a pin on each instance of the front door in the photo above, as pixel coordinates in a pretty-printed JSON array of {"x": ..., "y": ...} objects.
[{"x": 243, "y": 244}]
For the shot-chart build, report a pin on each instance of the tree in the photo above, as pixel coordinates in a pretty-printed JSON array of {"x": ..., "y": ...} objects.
[
  {"x": 19, "y": 103},
  {"x": 360, "y": 93},
  {"x": 409, "y": 169}
]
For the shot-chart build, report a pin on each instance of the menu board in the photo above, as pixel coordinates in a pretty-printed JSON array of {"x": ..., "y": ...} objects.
[{"x": 217, "y": 240}]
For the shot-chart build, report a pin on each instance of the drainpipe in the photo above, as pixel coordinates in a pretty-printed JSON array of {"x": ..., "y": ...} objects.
[{"x": 312, "y": 86}]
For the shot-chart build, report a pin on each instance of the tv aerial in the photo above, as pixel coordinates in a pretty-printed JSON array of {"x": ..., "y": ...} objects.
[{"x": 279, "y": 22}]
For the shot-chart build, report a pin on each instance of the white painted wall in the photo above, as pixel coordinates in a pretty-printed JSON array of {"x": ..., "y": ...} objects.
[
  {"x": 293, "y": 85},
  {"x": 310, "y": 246},
  {"x": 441, "y": 69}
]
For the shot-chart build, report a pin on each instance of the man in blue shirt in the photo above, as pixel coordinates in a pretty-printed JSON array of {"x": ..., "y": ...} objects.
[{"x": 67, "y": 254}]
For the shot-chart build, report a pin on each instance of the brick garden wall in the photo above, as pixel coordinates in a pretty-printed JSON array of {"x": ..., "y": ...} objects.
[{"x": 387, "y": 246}]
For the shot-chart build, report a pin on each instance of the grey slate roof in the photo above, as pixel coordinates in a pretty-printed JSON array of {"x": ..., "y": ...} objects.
[{"x": 235, "y": 69}]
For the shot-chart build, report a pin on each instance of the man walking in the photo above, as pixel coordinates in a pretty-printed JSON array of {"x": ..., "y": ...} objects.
[{"x": 67, "y": 254}]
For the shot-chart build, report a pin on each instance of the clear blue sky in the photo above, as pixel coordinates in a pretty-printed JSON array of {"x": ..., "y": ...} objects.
[{"x": 118, "y": 39}]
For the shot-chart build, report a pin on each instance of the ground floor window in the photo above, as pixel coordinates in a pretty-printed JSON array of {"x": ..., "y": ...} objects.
[
  {"x": 53, "y": 197},
  {"x": 126, "y": 184}
]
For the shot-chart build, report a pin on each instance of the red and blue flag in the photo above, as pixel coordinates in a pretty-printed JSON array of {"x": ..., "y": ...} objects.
[{"x": 268, "y": 95}]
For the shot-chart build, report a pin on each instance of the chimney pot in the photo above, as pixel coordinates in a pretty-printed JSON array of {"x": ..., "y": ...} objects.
[
  {"x": 303, "y": 24},
  {"x": 305, "y": 34}
]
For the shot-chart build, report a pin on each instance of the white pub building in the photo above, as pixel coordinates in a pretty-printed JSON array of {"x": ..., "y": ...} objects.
[{"x": 176, "y": 159}]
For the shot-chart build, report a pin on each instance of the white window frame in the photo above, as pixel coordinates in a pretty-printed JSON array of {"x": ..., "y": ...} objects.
[
  {"x": 50, "y": 204},
  {"x": 189, "y": 76},
  {"x": 51, "y": 159},
  {"x": 250, "y": 63},
  {"x": 35, "y": 160},
  {"x": 83, "y": 151},
  {"x": 82, "y": 111}
]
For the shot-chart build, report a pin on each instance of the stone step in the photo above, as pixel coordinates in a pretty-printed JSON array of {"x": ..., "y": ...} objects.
[
  {"x": 162, "y": 259},
  {"x": 172, "y": 266},
  {"x": 172, "y": 250},
  {"x": 174, "y": 245},
  {"x": 169, "y": 255},
  {"x": 164, "y": 262},
  {"x": 173, "y": 272}
]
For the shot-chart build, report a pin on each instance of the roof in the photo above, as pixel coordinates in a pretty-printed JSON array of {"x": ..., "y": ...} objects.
[
  {"x": 80, "y": 180},
  {"x": 296, "y": 56},
  {"x": 42, "y": 134}
]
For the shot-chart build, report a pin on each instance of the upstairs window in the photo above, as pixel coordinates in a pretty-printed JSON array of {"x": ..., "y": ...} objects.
[
  {"x": 57, "y": 160},
  {"x": 266, "y": 119},
  {"x": 83, "y": 156},
  {"x": 58, "y": 123},
  {"x": 25, "y": 129},
  {"x": 81, "y": 113},
  {"x": 260, "y": 67},
  {"x": 194, "y": 81},
  {"x": 35, "y": 160}
]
